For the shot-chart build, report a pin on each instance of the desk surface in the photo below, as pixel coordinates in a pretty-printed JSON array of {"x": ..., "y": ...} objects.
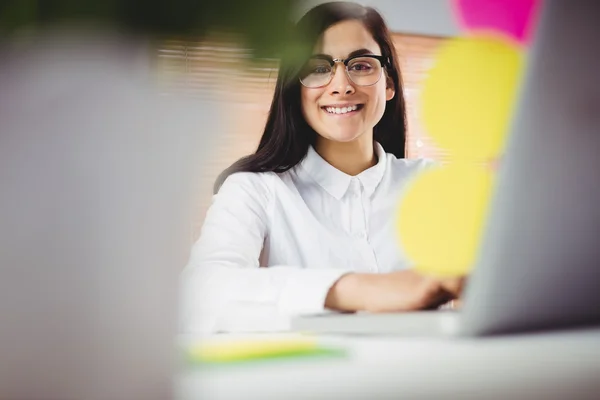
[{"x": 552, "y": 365}]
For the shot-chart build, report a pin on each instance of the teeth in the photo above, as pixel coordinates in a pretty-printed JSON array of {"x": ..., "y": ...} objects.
[{"x": 343, "y": 110}]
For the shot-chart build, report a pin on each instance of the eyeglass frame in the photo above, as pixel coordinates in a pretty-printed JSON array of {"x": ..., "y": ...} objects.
[{"x": 383, "y": 60}]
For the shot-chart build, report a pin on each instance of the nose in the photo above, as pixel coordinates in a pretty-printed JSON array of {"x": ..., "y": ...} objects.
[{"x": 340, "y": 83}]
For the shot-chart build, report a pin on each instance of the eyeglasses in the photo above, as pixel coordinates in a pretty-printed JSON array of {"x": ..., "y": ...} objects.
[{"x": 365, "y": 70}]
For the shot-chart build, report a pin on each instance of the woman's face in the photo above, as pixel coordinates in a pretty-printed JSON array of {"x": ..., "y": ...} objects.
[{"x": 323, "y": 107}]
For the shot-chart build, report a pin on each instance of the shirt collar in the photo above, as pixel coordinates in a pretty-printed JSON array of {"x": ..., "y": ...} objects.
[{"x": 336, "y": 182}]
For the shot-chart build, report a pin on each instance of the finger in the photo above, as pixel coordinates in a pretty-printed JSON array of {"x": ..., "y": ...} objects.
[
  {"x": 454, "y": 286},
  {"x": 438, "y": 299},
  {"x": 456, "y": 304}
]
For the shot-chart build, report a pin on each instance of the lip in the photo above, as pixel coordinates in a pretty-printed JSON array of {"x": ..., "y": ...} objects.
[{"x": 341, "y": 105}]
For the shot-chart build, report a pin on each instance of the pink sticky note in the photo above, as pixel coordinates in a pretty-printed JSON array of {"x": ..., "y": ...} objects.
[{"x": 514, "y": 18}]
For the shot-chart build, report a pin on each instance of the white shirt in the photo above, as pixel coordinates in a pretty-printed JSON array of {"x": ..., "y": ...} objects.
[{"x": 307, "y": 227}]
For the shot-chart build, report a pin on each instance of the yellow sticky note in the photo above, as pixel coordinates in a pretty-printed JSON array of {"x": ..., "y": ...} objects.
[
  {"x": 441, "y": 216},
  {"x": 469, "y": 94},
  {"x": 223, "y": 352}
]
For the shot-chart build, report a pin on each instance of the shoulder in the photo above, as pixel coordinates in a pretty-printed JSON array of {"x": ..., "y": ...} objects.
[
  {"x": 248, "y": 184},
  {"x": 406, "y": 167},
  {"x": 401, "y": 171}
]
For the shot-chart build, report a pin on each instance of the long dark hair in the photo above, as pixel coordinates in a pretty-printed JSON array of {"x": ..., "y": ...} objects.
[{"x": 287, "y": 135}]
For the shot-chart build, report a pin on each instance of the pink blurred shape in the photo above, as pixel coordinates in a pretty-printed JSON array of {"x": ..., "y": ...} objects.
[{"x": 513, "y": 18}]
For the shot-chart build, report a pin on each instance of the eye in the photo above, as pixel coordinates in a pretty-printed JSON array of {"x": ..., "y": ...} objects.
[
  {"x": 361, "y": 66},
  {"x": 320, "y": 69}
]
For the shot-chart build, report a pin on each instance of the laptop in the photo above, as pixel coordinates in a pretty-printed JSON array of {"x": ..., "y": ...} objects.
[{"x": 539, "y": 263}]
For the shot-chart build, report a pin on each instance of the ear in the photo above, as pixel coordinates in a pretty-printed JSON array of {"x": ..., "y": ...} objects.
[{"x": 390, "y": 92}]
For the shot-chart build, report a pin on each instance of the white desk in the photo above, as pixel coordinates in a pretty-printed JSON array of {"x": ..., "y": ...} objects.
[{"x": 557, "y": 365}]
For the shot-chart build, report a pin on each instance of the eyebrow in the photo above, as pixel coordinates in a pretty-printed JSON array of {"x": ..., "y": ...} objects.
[{"x": 359, "y": 52}]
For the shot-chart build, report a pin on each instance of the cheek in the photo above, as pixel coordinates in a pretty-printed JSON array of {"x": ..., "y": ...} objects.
[{"x": 377, "y": 98}]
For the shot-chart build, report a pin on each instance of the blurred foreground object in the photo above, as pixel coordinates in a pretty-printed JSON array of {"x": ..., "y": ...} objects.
[
  {"x": 445, "y": 209},
  {"x": 96, "y": 170},
  {"x": 467, "y": 104},
  {"x": 513, "y": 19},
  {"x": 218, "y": 352},
  {"x": 262, "y": 23}
]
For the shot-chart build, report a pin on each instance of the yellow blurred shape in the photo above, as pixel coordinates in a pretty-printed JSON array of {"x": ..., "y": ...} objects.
[
  {"x": 468, "y": 96},
  {"x": 230, "y": 351},
  {"x": 441, "y": 216}
]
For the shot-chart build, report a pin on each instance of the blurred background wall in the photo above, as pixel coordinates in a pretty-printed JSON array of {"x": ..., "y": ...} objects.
[{"x": 422, "y": 17}]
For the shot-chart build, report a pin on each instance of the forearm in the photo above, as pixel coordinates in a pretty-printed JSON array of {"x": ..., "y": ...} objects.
[
  {"x": 220, "y": 298},
  {"x": 397, "y": 291},
  {"x": 348, "y": 293}
]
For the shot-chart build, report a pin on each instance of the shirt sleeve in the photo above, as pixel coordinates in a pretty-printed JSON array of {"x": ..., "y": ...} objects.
[{"x": 224, "y": 289}]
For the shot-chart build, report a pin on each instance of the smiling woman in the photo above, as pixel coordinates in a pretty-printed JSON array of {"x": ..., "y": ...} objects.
[{"x": 314, "y": 204}]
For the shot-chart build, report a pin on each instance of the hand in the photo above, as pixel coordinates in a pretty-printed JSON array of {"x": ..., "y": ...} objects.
[{"x": 395, "y": 291}]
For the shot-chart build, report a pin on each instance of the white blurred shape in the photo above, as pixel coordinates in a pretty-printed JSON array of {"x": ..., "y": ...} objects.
[{"x": 96, "y": 171}]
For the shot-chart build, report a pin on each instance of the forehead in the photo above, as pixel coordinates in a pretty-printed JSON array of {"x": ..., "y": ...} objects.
[{"x": 341, "y": 39}]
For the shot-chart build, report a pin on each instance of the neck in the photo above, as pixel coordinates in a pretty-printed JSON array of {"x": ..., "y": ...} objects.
[{"x": 351, "y": 158}]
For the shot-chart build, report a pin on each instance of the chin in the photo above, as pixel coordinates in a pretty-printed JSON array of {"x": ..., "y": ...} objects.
[{"x": 343, "y": 136}]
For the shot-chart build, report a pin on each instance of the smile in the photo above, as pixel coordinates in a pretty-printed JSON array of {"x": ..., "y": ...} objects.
[{"x": 351, "y": 109}]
